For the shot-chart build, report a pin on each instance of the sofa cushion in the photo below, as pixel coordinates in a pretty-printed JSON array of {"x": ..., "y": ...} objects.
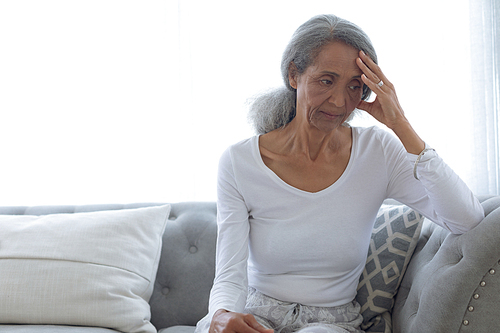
[
  {"x": 86, "y": 269},
  {"x": 394, "y": 238},
  {"x": 178, "y": 329},
  {"x": 53, "y": 329}
]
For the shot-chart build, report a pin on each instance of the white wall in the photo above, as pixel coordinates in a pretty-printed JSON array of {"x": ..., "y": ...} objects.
[{"x": 126, "y": 101}]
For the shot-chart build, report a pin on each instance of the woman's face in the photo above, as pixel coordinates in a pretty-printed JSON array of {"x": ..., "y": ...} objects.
[{"x": 330, "y": 89}]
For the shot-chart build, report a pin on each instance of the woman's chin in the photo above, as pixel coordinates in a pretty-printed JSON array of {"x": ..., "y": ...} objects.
[{"x": 328, "y": 123}]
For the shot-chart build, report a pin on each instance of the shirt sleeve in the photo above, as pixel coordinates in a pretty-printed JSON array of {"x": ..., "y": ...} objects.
[
  {"x": 439, "y": 194},
  {"x": 229, "y": 291}
]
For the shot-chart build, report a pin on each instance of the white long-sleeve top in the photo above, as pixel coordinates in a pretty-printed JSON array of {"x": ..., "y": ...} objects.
[{"x": 310, "y": 248}]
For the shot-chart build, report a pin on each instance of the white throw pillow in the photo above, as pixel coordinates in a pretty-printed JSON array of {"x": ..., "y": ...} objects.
[{"x": 86, "y": 269}]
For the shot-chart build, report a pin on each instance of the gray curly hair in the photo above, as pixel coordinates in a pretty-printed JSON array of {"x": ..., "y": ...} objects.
[{"x": 276, "y": 108}]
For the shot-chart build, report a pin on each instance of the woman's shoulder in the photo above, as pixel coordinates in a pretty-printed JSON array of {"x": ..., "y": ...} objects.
[
  {"x": 240, "y": 150},
  {"x": 371, "y": 133},
  {"x": 243, "y": 146},
  {"x": 376, "y": 138}
]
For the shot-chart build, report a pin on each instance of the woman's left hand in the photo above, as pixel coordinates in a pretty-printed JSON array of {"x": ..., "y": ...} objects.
[{"x": 386, "y": 108}]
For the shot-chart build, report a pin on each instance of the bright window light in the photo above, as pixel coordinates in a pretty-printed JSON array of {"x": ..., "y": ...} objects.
[{"x": 130, "y": 101}]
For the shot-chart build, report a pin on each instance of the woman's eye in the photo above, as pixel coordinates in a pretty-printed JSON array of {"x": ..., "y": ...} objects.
[
  {"x": 354, "y": 87},
  {"x": 325, "y": 81}
]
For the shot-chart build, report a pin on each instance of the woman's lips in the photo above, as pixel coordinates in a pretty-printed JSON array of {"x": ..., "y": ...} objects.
[{"x": 329, "y": 115}]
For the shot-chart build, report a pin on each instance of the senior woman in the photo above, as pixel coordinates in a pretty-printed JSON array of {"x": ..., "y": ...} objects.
[{"x": 297, "y": 203}]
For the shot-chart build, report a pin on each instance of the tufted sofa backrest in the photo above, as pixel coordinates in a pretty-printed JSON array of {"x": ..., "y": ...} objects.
[
  {"x": 451, "y": 285},
  {"x": 187, "y": 265},
  {"x": 453, "y": 281}
]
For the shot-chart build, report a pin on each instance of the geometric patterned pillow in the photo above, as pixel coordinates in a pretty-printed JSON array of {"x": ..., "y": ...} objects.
[{"x": 394, "y": 238}]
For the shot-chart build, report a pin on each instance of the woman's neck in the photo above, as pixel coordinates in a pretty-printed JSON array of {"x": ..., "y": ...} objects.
[{"x": 298, "y": 138}]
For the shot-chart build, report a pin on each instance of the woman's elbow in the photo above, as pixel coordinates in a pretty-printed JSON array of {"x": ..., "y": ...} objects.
[{"x": 468, "y": 221}]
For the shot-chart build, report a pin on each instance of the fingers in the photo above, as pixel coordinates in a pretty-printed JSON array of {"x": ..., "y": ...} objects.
[
  {"x": 372, "y": 74},
  {"x": 252, "y": 322},
  {"x": 232, "y": 322},
  {"x": 363, "y": 105}
]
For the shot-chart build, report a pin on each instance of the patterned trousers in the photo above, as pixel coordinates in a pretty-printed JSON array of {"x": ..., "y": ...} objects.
[{"x": 286, "y": 317}]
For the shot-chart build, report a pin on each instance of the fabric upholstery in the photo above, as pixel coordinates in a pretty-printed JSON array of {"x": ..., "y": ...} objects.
[
  {"x": 178, "y": 329},
  {"x": 187, "y": 265},
  {"x": 394, "y": 238},
  {"x": 452, "y": 283},
  {"x": 88, "y": 269},
  {"x": 53, "y": 329},
  {"x": 419, "y": 309}
]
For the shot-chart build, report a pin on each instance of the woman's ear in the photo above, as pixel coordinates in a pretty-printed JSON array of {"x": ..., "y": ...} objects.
[{"x": 293, "y": 75}]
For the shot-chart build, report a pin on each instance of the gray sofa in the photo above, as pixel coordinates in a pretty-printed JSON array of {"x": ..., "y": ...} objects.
[{"x": 452, "y": 283}]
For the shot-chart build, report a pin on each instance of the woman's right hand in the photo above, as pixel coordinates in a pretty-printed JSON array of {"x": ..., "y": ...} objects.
[{"x": 228, "y": 322}]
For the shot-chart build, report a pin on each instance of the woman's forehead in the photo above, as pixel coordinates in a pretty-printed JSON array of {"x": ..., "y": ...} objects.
[{"x": 337, "y": 58}]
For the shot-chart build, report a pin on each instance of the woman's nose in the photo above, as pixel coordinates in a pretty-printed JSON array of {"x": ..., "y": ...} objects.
[{"x": 337, "y": 97}]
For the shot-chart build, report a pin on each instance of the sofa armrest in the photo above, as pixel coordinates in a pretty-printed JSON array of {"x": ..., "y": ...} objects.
[{"x": 453, "y": 281}]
